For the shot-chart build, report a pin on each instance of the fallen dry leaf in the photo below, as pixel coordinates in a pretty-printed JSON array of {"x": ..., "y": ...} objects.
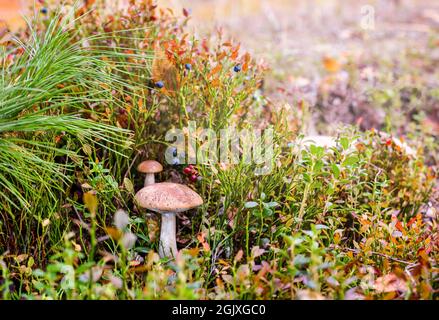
[{"x": 389, "y": 283}]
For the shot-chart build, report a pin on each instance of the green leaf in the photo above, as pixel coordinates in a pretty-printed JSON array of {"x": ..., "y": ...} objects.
[
  {"x": 272, "y": 204},
  {"x": 330, "y": 190},
  {"x": 267, "y": 212},
  {"x": 344, "y": 143},
  {"x": 313, "y": 149},
  {"x": 318, "y": 166},
  {"x": 142, "y": 249},
  {"x": 350, "y": 161},
  {"x": 128, "y": 185},
  {"x": 250, "y": 204},
  {"x": 335, "y": 170},
  {"x": 30, "y": 262},
  {"x": 87, "y": 149},
  {"x": 306, "y": 177}
]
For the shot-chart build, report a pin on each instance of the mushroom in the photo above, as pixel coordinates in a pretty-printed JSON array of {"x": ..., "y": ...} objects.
[
  {"x": 149, "y": 167},
  {"x": 168, "y": 198}
]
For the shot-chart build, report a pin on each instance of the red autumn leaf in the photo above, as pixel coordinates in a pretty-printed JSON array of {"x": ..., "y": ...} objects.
[
  {"x": 89, "y": 3},
  {"x": 411, "y": 221},
  {"x": 388, "y": 142},
  {"x": 205, "y": 45},
  {"x": 399, "y": 226}
]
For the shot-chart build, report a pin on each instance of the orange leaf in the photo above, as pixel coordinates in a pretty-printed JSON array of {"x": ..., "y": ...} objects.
[
  {"x": 423, "y": 256},
  {"x": 221, "y": 55},
  {"x": 399, "y": 226},
  {"x": 215, "y": 83},
  {"x": 89, "y": 3},
  {"x": 203, "y": 242},
  {"x": 219, "y": 283},
  {"x": 411, "y": 221},
  {"x": 113, "y": 233},
  {"x": 426, "y": 291},
  {"x": 91, "y": 201},
  {"x": 331, "y": 64},
  {"x": 215, "y": 70},
  {"x": 235, "y": 52},
  {"x": 247, "y": 58},
  {"x": 139, "y": 269},
  {"x": 245, "y": 66},
  {"x": 193, "y": 252},
  {"x": 163, "y": 69}
]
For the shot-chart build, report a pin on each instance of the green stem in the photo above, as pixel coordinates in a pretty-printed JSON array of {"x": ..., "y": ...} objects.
[{"x": 247, "y": 235}]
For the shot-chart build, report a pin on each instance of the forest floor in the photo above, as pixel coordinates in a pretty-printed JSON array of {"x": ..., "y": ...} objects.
[{"x": 83, "y": 104}]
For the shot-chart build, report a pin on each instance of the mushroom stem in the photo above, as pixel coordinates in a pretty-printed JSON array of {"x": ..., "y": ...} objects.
[
  {"x": 168, "y": 242},
  {"x": 149, "y": 179}
]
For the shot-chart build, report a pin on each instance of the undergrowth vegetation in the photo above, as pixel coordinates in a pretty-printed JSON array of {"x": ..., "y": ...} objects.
[{"x": 86, "y": 95}]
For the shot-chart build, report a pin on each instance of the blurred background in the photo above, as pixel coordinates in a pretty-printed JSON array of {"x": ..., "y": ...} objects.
[{"x": 369, "y": 63}]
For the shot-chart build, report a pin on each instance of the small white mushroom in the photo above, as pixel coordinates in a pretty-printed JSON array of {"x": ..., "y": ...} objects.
[
  {"x": 149, "y": 167},
  {"x": 168, "y": 199}
]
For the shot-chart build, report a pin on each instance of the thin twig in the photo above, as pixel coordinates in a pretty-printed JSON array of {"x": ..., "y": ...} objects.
[
  {"x": 131, "y": 165},
  {"x": 81, "y": 222}
]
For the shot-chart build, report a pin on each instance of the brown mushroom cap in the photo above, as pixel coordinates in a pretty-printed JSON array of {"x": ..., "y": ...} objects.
[
  {"x": 149, "y": 166},
  {"x": 167, "y": 197}
]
